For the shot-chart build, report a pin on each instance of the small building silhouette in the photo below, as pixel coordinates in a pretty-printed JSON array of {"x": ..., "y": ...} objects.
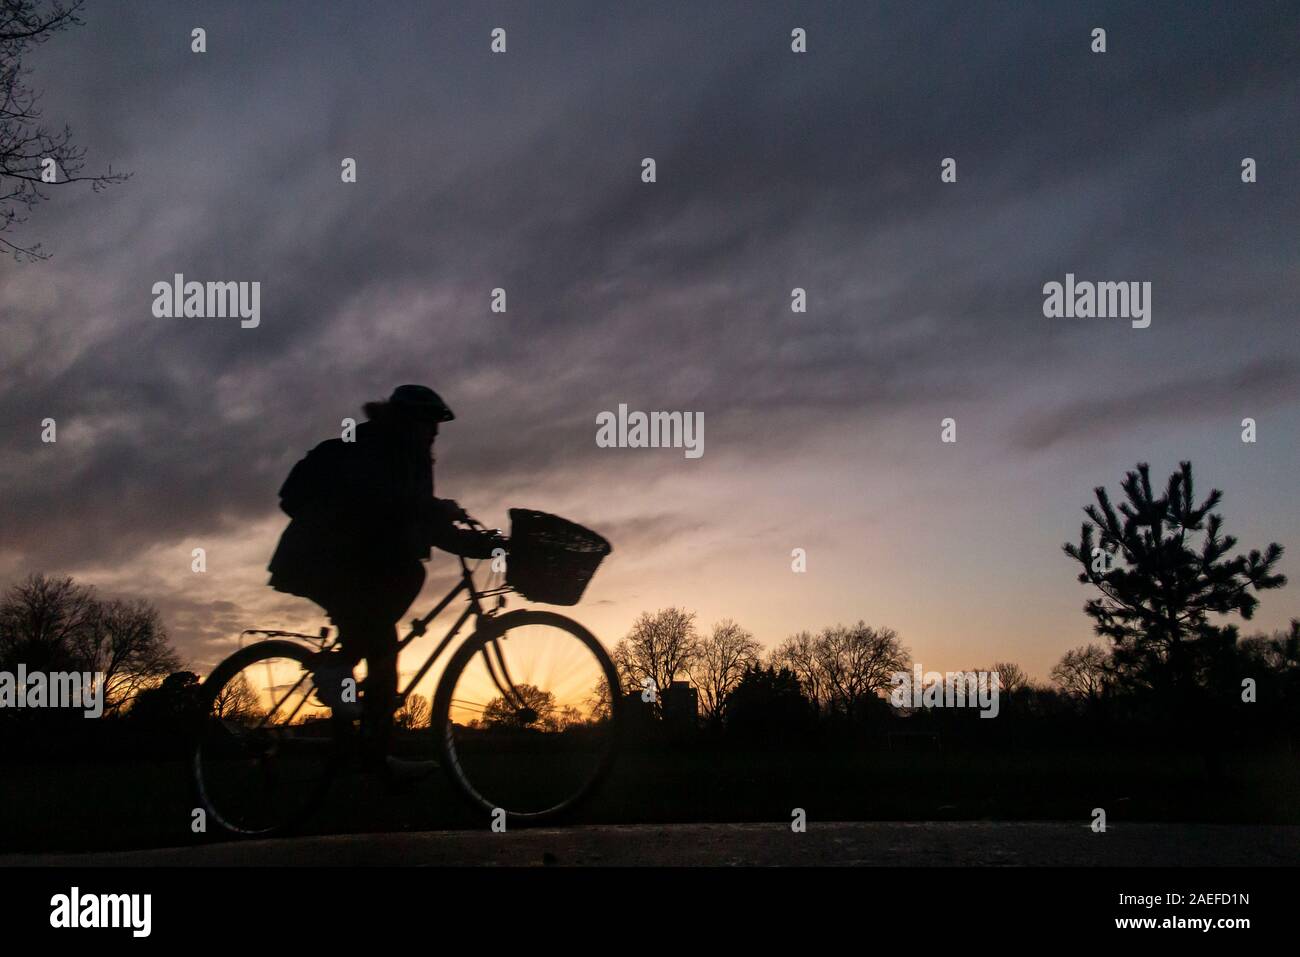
[
  {"x": 681, "y": 704},
  {"x": 678, "y": 707},
  {"x": 638, "y": 714}
]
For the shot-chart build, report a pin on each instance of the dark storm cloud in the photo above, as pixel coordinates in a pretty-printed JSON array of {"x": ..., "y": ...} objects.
[
  {"x": 522, "y": 171},
  {"x": 1257, "y": 386}
]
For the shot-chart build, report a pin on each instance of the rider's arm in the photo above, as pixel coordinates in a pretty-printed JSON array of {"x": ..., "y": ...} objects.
[{"x": 469, "y": 542}]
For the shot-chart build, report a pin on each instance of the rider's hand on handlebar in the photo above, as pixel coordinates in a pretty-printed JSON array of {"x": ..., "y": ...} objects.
[
  {"x": 449, "y": 510},
  {"x": 477, "y": 543},
  {"x": 496, "y": 534}
]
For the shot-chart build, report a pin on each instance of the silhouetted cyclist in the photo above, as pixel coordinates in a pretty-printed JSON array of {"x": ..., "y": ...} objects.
[{"x": 363, "y": 520}]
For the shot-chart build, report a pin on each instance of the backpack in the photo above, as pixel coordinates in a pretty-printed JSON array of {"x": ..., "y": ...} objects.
[{"x": 314, "y": 479}]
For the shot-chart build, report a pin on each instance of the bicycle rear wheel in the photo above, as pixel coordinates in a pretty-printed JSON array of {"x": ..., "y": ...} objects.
[
  {"x": 528, "y": 713},
  {"x": 266, "y": 747}
]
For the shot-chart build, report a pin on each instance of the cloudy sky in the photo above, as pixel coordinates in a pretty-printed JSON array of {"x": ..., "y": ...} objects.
[{"x": 775, "y": 171}]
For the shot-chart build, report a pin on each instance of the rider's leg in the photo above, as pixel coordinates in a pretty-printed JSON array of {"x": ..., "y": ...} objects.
[
  {"x": 381, "y": 692},
  {"x": 374, "y": 633},
  {"x": 364, "y": 635}
]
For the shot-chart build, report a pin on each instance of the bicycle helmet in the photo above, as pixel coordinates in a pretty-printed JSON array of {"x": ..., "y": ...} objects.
[{"x": 421, "y": 402}]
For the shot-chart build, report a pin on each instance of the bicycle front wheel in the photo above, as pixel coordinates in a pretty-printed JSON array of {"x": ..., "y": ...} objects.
[{"x": 528, "y": 710}]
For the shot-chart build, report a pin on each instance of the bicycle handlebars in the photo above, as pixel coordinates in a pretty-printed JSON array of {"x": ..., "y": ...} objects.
[{"x": 475, "y": 524}]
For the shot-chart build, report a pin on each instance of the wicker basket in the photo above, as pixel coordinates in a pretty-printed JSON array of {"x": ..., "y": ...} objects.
[{"x": 551, "y": 559}]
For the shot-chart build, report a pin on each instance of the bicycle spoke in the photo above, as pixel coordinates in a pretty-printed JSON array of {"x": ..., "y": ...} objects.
[
  {"x": 527, "y": 717},
  {"x": 264, "y": 757}
]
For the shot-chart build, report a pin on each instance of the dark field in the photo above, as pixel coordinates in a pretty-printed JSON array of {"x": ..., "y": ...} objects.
[
  {"x": 825, "y": 843},
  {"x": 108, "y": 805}
]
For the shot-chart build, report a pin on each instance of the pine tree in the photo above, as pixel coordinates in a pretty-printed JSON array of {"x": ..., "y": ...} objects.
[{"x": 1162, "y": 566}]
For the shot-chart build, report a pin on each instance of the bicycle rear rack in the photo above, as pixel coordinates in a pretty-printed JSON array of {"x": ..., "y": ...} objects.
[{"x": 322, "y": 637}]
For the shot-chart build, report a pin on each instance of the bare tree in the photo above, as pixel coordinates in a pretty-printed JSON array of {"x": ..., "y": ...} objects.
[
  {"x": 599, "y": 704},
  {"x": 841, "y": 668},
  {"x": 799, "y": 654},
  {"x": 1278, "y": 652},
  {"x": 55, "y": 624},
  {"x": 1081, "y": 673},
  {"x": 857, "y": 663},
  {"x": 128, "y": 645},
  {"x": 502, "y": 713},
  {"x": 33, "y": 158},
  {"x": 658, "y": 648},
  {"x": 723, "y": 656},
  {"x": 237, "y": 701},
  {"x": 42, "y": 618},
  {"x": 569, "y": 716},
  {"x": 414, "y": 713},
  {"x": 1012, "y": 678}
]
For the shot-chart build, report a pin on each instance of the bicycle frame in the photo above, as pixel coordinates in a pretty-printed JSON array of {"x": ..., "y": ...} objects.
[
  {"x": 419, "y": 626},
  {"x": 475, "y": 610}
]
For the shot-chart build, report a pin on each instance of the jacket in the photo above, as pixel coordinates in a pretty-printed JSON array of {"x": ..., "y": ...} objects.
[{"x": 359, "y": 509}]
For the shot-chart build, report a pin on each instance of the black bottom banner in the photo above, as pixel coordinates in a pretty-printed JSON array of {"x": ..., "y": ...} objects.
[{"x": 331, "y": 906}]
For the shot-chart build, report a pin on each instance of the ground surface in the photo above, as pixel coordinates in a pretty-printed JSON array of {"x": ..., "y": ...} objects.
[{"x": 835, "y": 843}]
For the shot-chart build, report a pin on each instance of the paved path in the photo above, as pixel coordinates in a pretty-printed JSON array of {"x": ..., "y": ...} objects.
[{"x": 838, "y": 843}]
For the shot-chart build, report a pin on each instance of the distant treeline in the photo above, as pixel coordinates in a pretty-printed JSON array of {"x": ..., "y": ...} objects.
[
  {"x": 1159, "y": 565},
  {"x": 837, "y": 683}
]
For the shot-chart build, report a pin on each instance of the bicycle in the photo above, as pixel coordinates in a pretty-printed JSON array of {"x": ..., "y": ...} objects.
[{"x": 513, "y": 734}]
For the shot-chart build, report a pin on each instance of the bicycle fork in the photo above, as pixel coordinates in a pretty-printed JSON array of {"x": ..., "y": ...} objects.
[{"x": 506, "y": 687}]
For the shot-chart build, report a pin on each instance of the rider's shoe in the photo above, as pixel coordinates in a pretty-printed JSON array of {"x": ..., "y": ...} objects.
[
  {"x": 401, "y": 770},
  {"x": 399, "y": 774}
]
